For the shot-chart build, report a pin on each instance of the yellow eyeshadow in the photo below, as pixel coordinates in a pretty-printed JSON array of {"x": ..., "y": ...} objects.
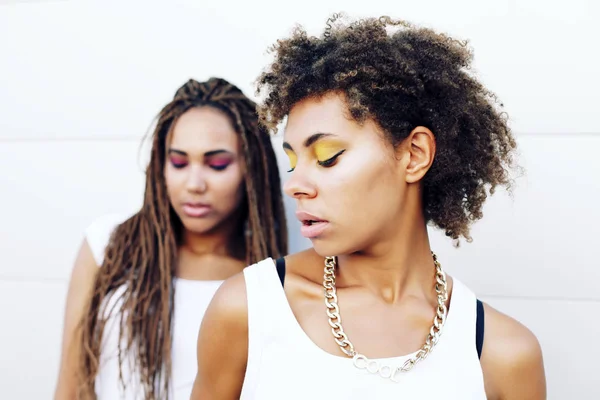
[
  {"x": 326, "y": 149},
  {"x": 293, "y": 158}
]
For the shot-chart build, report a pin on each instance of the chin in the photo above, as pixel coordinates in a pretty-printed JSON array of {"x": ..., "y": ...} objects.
[
  {"x": 198, "y": 226},
  {"x": 328, "y": 248}
]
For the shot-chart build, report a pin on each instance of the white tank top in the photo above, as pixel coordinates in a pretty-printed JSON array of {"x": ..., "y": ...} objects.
[
  {"x": 284, "y": 363},
  {"x": 191, "y": 300}
]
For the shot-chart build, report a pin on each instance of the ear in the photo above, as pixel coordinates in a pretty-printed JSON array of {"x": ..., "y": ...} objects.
[{"x": 419, "y": 148}]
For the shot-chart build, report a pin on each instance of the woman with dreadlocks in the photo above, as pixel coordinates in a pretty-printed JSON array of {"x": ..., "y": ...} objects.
[
  {"x": 212, "y": 205},
  {"x": 387, "y": 131}
]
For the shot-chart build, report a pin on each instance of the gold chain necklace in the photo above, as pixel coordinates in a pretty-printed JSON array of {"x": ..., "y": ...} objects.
[{"x": 363, "y": 362}]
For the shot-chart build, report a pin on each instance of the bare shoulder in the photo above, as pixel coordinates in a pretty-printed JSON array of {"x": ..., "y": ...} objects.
[
  {"x": 508, "y": 340},
  {"x": 222, "y": 347},
  {"x": 229, "y": 304},
  {"x": 511, "y": 359}
]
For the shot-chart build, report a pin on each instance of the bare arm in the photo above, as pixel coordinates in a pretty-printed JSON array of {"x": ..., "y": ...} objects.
[
  {"x": 223, "y": 344},
  {"x": 80, "y": 287},
  {"x": 511, "y": 359}
]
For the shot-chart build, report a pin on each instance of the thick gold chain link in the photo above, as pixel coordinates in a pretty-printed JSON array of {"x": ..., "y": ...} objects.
[{"x": 363, "y": 362}]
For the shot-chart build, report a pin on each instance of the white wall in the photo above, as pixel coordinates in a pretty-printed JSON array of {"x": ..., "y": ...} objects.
[{"x": 80, "y": 83}]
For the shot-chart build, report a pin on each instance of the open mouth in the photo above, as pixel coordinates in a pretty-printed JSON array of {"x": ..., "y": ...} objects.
[
  {"x": 313, "y": 228},
  {"x": 310, "y": 222}
]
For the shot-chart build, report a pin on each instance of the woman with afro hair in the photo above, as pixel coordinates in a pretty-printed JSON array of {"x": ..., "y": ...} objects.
[{"x": 387, "y": 131}]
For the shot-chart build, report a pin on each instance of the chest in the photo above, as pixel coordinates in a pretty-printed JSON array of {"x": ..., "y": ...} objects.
[{"x": 376, "y": 330}]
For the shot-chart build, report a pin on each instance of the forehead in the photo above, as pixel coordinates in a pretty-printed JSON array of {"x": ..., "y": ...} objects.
[
  {"x": 202, "y": 129},
  {"x": 326, "y": 114}
]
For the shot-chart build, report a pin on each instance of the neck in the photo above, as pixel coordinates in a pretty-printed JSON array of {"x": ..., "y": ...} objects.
[
  {"x": 396, "y": 265},
  {"x": 205, "y": 243},
  {"x": 221, "y": 241}
]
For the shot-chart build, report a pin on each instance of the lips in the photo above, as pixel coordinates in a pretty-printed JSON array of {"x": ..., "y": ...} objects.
[
  {"x": 312, "y": 226},
  {"x": 196, "y": 210}
]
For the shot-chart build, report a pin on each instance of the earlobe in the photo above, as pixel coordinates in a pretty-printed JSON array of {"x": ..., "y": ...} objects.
[{"x": 420, "y": 145}]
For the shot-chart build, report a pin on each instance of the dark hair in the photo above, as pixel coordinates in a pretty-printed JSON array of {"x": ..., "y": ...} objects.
[
  {"x": 141, "y": 256},
  {"x": 402, "y": 76}
]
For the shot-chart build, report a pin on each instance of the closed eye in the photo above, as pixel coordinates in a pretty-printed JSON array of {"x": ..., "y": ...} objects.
[
  {"x": 219, "y": 167},
  {"x": 330, "y": 162},
  {"x": 178, "y": 164}
]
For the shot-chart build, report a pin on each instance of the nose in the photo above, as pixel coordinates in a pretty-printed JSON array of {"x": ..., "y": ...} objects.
[
  {"x": 196, "y": 180},
  {"x": 299, "y": 186}
]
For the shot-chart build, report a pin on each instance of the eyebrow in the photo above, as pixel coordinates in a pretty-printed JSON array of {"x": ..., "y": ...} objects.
[
  {"x": 312, "y": 139},
  {"x": 207, "y": 154}
]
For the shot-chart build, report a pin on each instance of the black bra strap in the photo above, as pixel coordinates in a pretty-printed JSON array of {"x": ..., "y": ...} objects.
[
  {"x": 480, "y": 327},
  {"x": 280, "y": 265}
]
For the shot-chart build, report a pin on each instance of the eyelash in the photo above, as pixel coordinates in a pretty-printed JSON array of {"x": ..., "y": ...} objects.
[
  {"x": 330, "y": 162},
  {"x": 214, "y": 167}
]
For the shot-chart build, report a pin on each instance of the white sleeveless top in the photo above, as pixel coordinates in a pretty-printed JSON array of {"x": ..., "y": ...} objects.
[
  {"x": 191, "y": 300},
  {"x": 284, "y": 363}
]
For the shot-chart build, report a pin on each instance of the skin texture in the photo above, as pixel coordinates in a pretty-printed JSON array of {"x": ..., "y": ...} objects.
[
  {"x": 385, "y": 268},
  {"x": 199, "y": 155},
  {"x": 204, "y": 166}
]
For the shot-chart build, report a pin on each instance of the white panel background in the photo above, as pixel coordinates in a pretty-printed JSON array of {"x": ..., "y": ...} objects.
[{"x": 81, "y": 81}]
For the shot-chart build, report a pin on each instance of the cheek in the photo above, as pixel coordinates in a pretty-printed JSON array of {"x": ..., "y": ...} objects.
[
  {"x": 360, "y": 176},
  {"x": 364, "y": 189},
  {"x": 174, "y": 180},
  {"x": 228, "y": 186}
]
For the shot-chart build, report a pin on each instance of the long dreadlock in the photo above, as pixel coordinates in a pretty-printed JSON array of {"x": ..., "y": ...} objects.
[{"x": 140, "y": 260}]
